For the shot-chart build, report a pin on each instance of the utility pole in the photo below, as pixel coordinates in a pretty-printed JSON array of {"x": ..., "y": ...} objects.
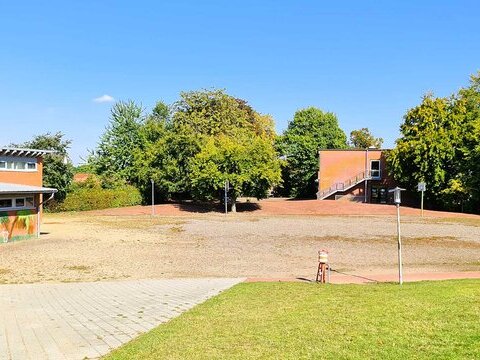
[
  {"x": 227, "y": 185},
  {"x": 153, "y": 197}
]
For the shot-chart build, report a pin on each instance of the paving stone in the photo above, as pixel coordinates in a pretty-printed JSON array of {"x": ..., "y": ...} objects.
[{"x": 87, "y": 320}]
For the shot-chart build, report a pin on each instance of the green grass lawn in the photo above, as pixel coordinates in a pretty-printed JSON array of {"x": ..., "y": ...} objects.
[{"x": 427, "y": 320}]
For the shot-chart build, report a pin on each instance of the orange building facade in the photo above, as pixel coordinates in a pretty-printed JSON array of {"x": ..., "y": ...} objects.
[
  {"x": 21, "y": 193},
  {"x": 355, "y": 175}
]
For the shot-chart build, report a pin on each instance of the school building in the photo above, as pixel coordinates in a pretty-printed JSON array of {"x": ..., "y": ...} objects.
[
  {"x": 21, "y": 192},
  {"x": 355, "y": 175}
]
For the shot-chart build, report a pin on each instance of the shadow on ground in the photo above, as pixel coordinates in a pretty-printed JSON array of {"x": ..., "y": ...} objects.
[{"x": 195, "y": 207}]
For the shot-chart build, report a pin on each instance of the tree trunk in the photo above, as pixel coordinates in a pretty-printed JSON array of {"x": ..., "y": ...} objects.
[{"x": 234, "y": 205}]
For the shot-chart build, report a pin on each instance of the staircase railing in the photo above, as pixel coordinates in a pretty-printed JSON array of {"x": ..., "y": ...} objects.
[{"x": 342, "y": 186}]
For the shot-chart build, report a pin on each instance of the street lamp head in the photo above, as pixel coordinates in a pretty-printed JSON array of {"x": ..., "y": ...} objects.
[{"x": 397, "y": 195}]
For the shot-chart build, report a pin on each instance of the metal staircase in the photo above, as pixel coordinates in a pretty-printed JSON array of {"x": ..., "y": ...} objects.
[{"x": 344, "y": 186}]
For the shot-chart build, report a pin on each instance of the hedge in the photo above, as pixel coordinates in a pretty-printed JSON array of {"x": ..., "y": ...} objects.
[{"x": 82, "y": 199}]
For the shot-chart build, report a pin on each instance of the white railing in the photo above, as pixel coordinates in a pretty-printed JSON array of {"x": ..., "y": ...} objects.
[{"x": 343, "y": 186}]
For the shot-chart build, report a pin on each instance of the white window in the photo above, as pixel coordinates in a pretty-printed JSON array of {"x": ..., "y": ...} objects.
[
  {"x": 17, "y": 203},
  {"x": 375, "y": 169},
  {"x": 5, "y": 203},
  {"x": 20, "y": 202},
  {"x": 20, "y": 165},
  {"x": 10, "y": 163}
]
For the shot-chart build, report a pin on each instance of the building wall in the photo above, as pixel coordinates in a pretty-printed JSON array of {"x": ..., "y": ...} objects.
[
  {"x": 20, "y": 224},
  {"x": 17, "y": 224},
  {"x": 33, "y": 178},
  {"x": 338, "y": 166}
]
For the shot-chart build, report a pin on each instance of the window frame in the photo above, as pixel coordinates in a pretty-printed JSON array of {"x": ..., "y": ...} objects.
[
  {"x": 10, "y": 164},
  {"x": 379, "y": 170},
  {"x": 5, "y": 208},
  {"x": 13, "y": 202}
]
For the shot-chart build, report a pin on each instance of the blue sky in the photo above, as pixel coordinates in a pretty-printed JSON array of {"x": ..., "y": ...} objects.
[{"x": 366, "y": 61}]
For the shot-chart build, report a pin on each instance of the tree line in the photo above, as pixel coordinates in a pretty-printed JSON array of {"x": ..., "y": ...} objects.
[{"x": 192, "y": 147}]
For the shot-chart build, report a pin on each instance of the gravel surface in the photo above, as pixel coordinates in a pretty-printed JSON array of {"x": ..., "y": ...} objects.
[{"x": 91, "y": 247}]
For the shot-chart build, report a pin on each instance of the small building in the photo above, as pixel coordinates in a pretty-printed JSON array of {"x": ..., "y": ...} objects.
[
  {"x": 81, "y": 177},
  {"x": 21, "y": 192},
  {"x": 354, "y": 174}
]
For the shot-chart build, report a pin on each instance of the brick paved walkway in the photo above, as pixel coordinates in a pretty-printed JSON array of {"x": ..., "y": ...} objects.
[{"x": 87, "y": 320}]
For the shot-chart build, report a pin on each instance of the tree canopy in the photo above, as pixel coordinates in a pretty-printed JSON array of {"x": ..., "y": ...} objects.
[
  {"x": 311, "y": 130},
  {"x": 440, "y": 145},
  {"x": 363, "y": 139},
  {"x": 114, "y": 155},
  {"x": 57, "y": 168},
  {"x": 209, "y": 137}
]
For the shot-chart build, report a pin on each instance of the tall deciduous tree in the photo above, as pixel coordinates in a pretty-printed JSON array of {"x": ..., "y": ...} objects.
[
  {"x": 426, "y": 152},
  {"x": 235, "y": 143},
  {"x": 211, "y": 137},
  {"x": 164, "y": 155},
  {"x": 248, "y": 163},
  {"x": 470, "y": 151},
  {"x": 114, "y": 156},
  {"x": 363, "y": 139},
  {"x": 311, "y": 130},
  {"x": 440, "y": 145},
  {"x": 57, "y": 168}
]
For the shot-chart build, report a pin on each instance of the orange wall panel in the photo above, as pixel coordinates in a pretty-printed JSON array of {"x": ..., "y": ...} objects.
[
  {"x": 33, "y": 178},
  {"x": 18, "y": 224},
  {"x": 338, "y": 166}
]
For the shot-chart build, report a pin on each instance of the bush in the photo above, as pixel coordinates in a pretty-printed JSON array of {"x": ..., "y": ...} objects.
[{"x": 85, "y": 198}]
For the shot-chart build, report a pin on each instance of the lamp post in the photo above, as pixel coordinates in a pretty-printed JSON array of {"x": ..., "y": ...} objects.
[
  {"x": 366, "y": 176},
  {"x": 153, "y": 197},
  {"x": 397, "y": 200},
  {"x": 225, "y": 200}
]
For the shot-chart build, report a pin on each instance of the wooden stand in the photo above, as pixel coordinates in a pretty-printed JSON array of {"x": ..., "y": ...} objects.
[{"x": 323, "y": 273}]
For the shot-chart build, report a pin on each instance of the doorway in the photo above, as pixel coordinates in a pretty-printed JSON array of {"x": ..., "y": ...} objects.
[{"x": 379, "y": 195}]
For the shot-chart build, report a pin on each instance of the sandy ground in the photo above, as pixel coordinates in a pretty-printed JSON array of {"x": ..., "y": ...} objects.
[{"x": 103, "y": 246}]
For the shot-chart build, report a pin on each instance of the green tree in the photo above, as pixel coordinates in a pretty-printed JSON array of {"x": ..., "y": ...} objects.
[
  {"x": 440, "y": 144},
  {"x": 470, "y": 150},
  {"x": 248, "y": 163},
  {"x": 57, "y": 167},
  {"x": 235, "y": 143},
  {"x": 311, "y": 130},
  {"x": 114, "y": 156},
  {"x": 363, "y": 139},
  {"x": 208, "y": 137},
  {"x": 163, "y": 156},
  {"x": 430, "y": 149},
  {"x": 214, "y": 112}
]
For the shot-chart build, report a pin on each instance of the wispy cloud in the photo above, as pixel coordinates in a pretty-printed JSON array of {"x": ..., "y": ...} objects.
[{"x": 103, "y": 99}]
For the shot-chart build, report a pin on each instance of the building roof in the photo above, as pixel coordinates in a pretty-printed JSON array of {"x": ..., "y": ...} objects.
[
  {"x": 10, "y": 151},
  {"x": 81, "y": 177},
  {"x": 355, "y": 149},
  {"x": 8, "y": 188}
]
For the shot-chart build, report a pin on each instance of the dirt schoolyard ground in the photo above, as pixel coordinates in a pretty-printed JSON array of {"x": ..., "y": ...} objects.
[{"x": 266, "y": 239}]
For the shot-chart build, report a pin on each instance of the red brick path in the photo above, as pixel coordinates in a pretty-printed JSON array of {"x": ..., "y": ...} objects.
[
  {"x": 279, "y": 207},
  {"x": 371, "y": 278}
]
